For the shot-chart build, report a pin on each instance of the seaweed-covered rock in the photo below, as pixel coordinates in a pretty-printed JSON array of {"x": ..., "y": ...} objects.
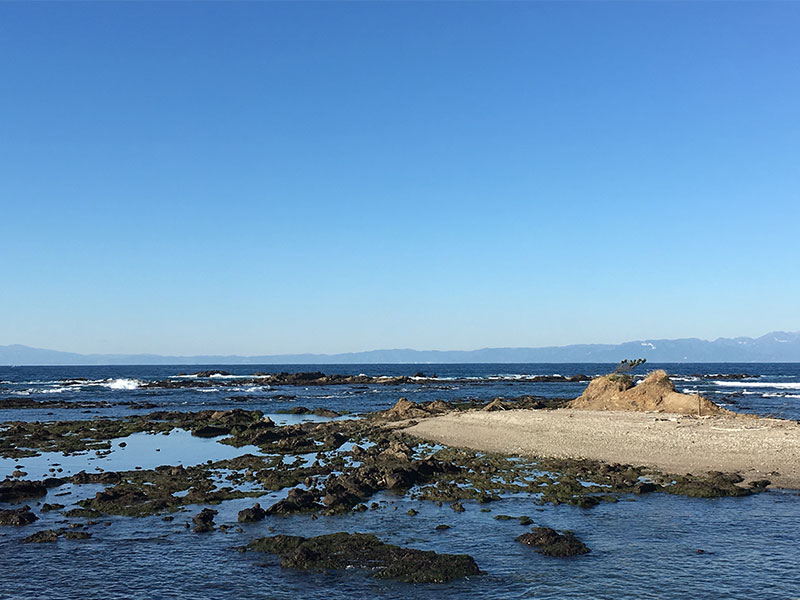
[
  {"x": 644, "y": 487},
  {"x": 12, "y": 490},
  {"x": 250, "y": 515},
  {"x": 17, "y": 517},
  {"x": 716, "y": 485},
  {"x": 46, "y": 535},
  {"x": 210, "y": 431},
  {"x": 551, "y": 543},
  {"x": 365, "y": 551},
  {"x": 204, "y": 520},
  {"x": 297, "y": 500}
]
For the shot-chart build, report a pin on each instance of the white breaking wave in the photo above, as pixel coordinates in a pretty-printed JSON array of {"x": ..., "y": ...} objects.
[
  {"x": 757, "y": 384},
  {"x": 123, "y": 384}
]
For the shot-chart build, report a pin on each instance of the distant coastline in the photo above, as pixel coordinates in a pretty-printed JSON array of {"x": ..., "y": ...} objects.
[{"x": 777, "y": 346}]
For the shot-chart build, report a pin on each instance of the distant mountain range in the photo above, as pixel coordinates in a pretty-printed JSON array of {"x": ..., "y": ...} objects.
[{"x": 778, "y": 346}]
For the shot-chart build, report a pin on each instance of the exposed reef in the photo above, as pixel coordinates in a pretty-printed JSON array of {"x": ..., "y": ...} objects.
[
  {"x": 338, "y": 551},
  {"x": 551, "y": 543}
]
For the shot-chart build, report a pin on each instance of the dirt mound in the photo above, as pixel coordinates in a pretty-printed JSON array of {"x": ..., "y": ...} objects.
[{"x": 655, "y": 393}]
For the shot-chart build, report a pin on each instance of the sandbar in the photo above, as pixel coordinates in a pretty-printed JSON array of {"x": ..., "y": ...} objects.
[{"x": 756, "y": 448}]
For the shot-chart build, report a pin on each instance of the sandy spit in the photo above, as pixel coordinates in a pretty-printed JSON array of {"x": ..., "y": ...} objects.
[{"x": 754, "y": 447}]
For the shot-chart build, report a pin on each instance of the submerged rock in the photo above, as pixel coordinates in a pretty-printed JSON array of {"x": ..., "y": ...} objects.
[
  {"x": 551, "y": 543},
  {"x": 366, "y": 551}
]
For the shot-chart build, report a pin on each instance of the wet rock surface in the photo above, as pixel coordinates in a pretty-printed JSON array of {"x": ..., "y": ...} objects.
[
  {"x": 204, "y": 520},
  {"x": 44, "y": 536},
  {"x": 12, "y": 490},
  {"x": 364, "y": 551},
  {"x": 726, "y": 376},
  {"x": 250, "y": 515},
  {"x": 17, "y": 517},
  {"x": 52, "y": 535},
  {"x": 551, "y": 543}
]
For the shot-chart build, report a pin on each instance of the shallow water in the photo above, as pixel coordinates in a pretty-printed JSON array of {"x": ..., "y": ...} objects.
[
  {"x": 642, "y": 548},
  {"x": 139, "y": 450}
]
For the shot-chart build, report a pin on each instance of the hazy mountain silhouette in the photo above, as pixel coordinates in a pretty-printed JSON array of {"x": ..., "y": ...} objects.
[{"x": 777, "y": 346}]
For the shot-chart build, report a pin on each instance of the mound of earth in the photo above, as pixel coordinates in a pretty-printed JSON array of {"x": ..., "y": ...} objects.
[{"x": 655, "y": 393}]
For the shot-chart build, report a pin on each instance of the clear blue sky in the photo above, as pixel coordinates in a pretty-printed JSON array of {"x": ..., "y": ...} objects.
[{"x": 266, "y": 178}]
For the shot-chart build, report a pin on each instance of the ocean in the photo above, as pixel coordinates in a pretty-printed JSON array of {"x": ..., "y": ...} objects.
[{"x": 642, "y": 547}]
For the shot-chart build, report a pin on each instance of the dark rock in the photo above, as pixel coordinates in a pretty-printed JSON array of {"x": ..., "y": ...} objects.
[
  {"x": 726, "y": 376},
  {"x": 250, "y": 515},
  {"x": 341, "y": 500},
  {"x": 297, "y": 500},
  {"x": 204, "y": 520},
  {"x": 400, "y": 479},
  {"x": 716, "y": 485},
  {"x": 551, "y": 543},
  {"x": 87, "y": 513},
  {"x": 46, "y": 535},
  {"x": 17, "y": 517},
  {"x": 348, "y": 550},
  {"x": 644, "y": 487},
  {"x": 210, "y": 431},
  {"x": 586, "y": 501},
  {"x": 11, "y": 491},
  {"x": 457, "y": 506},
  {"x": 48, "y": 507}
]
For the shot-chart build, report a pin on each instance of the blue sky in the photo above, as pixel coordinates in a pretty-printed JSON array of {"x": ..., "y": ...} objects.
[{"x": 269, "y": 178}]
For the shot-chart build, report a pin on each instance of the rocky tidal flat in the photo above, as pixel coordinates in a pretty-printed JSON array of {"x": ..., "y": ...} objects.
[{"x": 356, "y": 481}]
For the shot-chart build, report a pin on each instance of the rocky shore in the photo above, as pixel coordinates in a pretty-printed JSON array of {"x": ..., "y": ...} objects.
[{"x": 583, "y": 452}]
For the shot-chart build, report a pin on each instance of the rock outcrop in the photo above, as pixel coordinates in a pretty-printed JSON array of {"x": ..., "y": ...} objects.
[
  {"x": 337, "y": 551},
  {"x": 551, "y": 543},
  {"x": 655, "y": 393}
]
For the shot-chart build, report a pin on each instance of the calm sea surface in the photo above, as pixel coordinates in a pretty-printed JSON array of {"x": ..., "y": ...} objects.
[{"x": 643, "y": 548}]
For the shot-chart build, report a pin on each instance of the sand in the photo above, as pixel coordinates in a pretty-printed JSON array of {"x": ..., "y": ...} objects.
[{"x": 756, "y": 448}]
